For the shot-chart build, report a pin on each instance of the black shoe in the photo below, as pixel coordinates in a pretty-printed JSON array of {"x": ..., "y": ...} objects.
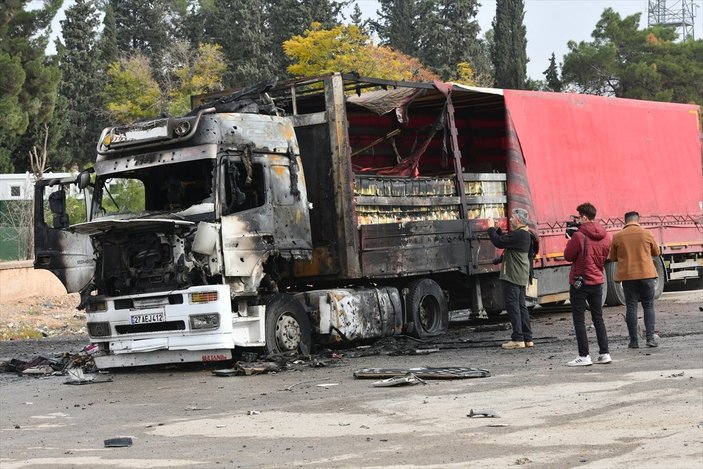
[
  {"x": 652, "y": 342},
  {"x": 633, "y": 344}
]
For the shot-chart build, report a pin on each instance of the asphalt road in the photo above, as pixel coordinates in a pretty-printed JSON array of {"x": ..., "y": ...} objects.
[{"x": 643, "y": 410}]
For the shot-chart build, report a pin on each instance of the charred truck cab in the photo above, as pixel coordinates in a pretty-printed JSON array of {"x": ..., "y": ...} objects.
[{"x": 286, "y": 214}]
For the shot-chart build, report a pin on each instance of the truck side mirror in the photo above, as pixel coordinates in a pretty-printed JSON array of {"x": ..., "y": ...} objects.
[
  {"x": 83, "y": 179},
  {"x": 57, "y": 204}
]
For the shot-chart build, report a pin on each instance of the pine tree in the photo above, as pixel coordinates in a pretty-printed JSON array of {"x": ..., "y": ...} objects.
[
  {"x": 28, "y": 80},
  {"x": 287, "y": 18},
  {"x": 509, "y": 52},
  {"x": 450, "y": 37},
  {"x": 401, "y": 23},
  {"x": 148, "y": 27},
  {"x": 238, "y": 27},
  {"x": 108, "y": 39},
  {"x": 83, "y": 80},
  {"x": 552, "y": 75}
]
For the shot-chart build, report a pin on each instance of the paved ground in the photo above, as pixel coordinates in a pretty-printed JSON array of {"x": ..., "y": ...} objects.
[{"x": 643, "y": 410}]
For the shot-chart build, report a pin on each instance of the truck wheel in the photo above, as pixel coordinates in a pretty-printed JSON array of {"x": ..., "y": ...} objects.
[
  {"x": 287, "y": 326},
  {"x": 615, "y": 296},
  {"x": 659, "y": 284},
  {"x": 427, "y": 309}
]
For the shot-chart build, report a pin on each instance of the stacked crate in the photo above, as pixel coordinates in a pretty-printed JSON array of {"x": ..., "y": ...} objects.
[{"x": 389, "y": 199}]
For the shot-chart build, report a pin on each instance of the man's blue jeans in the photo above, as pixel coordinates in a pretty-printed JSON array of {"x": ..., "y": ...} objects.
[
  {"x": 514, "y": 299},
  {"x": 639, "y": 291}
]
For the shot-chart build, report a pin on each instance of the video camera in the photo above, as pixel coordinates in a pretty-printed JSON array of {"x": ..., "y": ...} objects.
[{"x": 572, "y": 226}]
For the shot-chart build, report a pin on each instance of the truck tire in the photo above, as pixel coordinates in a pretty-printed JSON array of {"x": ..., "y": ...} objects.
[
  {"x": 287, "y": 326},
  {"x": 616, "y": 295},
  {"x": 427, "y": 311}
]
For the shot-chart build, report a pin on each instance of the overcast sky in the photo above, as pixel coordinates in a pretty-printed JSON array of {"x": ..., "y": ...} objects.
[{"x": 550, "y": 23}]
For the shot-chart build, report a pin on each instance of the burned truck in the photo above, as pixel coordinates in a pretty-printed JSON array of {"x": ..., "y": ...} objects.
[{"x": 313, "y": 211}]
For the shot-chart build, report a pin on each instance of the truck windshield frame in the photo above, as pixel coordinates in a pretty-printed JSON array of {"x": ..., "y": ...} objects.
[{"x": 180, "y": 189}]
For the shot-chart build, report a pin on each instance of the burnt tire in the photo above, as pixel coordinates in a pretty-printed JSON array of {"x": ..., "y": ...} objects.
[
  {"x": 287, "y": 326},
  {"x": 616, "y": 295},
  {"x": 427, "y": 312}
]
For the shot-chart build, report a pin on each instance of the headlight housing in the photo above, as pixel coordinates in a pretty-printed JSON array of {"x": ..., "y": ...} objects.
[{"x": 204, "y": 321}]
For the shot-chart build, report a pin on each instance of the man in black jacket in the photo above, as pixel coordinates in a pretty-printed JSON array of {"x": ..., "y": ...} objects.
[{"x": 514, "y": 274}]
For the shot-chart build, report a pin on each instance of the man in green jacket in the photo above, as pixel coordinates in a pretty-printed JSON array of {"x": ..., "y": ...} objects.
[
  {"x": 634, "y": 248},
  {"x": 514, "y": 274}
]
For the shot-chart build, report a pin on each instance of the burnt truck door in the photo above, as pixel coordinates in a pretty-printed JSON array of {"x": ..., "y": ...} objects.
[{"x": 67, "y": 255}]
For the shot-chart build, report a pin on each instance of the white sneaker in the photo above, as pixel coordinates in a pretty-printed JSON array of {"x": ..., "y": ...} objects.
[
  {"x": 581, "y": 361},
  {"x": 603, "y": 359}
]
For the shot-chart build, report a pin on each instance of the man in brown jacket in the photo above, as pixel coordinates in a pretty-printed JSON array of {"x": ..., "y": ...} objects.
[{"x": 634, "y": 248}]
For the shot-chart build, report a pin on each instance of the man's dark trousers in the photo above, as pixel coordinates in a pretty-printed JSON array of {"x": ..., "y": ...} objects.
[
  {"x": 581, "y": 298},
  {"x": 514, "y": 299}
]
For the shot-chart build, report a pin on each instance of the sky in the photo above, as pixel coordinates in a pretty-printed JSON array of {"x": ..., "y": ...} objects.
[{"x": 550, "y": 24}]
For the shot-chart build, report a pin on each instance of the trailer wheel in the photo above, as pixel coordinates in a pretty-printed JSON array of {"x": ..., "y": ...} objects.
[
  {"x": 616, "y": 296},
  {"x": 427, "y": 310},
  {"x": 287, "y": 326}
]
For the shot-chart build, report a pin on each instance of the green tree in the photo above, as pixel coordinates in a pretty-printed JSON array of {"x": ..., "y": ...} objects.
[
  {"x": 132, "y": 93},
  {"x": 509, "y": 52},
  {"x": 148, "y": 27},
  {"x": 551, "y": 75},
  {"x": 28, "y": 80},
  {"x": 443, "y": 34},
  {"x": 287, "y": 18},
  {"x": 108, "y": 40},
  {"x": 237, "y": 26},
  {"x": 82, "y": 83},
  {"x": 400, "y": 24},
  {"x": 201, "y": 72},
  {"x": 627, "y": 62}
]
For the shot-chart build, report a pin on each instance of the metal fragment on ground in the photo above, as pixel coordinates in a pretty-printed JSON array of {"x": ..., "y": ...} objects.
[
  {"x": 482, "y": 413},
  {"x": 408, "y": 379},
  {"x": 449, "y": 372},
  {"x": 119, "y": 442}
]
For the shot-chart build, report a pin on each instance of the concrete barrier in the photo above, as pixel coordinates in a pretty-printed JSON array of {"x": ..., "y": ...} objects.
[{"x": 19, "y": 280}]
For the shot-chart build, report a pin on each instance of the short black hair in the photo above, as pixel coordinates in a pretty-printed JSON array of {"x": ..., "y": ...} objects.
[
  {"x": 587, "y": 209},
  {"x": 632, "y": 216}
]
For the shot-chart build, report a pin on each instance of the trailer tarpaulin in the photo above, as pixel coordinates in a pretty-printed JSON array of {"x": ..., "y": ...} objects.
[{"x": 633, "y": 155}]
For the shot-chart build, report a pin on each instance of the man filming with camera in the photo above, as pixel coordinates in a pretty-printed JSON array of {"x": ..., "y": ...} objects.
[{"x": 587, "y": 250}]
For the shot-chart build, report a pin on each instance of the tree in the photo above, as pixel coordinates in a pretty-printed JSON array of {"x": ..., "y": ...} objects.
[
  {"x": 627, "y": 62},
  {"x": 287, "y": 18},
  {"x": 201, "y": 72},
  {"x": 108, "y": 40},
  {"x": 346, "y": 48},
  {"x": 552, "y": 75},
  {"x": 28, "y": 81},
  {"x": 132, "y": 93},
  {"x": 443, "y": 34},
  {"x": 400, "y": 22},
  {"x": 82, "y": 83},
  {"x": 237, "y": 26},
  {"x": 509, "y": 52},
  {"x": 147, "y": 27}
]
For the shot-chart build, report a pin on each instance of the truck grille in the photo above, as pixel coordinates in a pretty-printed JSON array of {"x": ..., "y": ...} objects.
[{"x": 151, "y": 327}]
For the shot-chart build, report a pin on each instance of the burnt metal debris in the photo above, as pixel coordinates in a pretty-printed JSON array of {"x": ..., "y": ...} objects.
[{"x": 445, "y": 372}]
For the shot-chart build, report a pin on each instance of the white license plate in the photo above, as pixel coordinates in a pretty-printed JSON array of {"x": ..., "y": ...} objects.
[{"x": 148, "y": 318}]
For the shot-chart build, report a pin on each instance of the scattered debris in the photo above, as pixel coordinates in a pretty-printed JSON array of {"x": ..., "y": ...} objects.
[
  {"x": 424, "y": 351},
  {"x": 676, "y": 375},
  {"x": 290, "y": 388},
  {"x": 407, "y": 379},
  {"x": 225, "y": 372},
  {"x": 253, "y": 412},
  {"x": 482, "y": 413},
  {"x": 326, "y": 385},
  {"x": 448, "y": 372},
  {"x": 119, "y": 442},
  {"x": 521, "y": 461},
  {"x": 491, "y": 327}
]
